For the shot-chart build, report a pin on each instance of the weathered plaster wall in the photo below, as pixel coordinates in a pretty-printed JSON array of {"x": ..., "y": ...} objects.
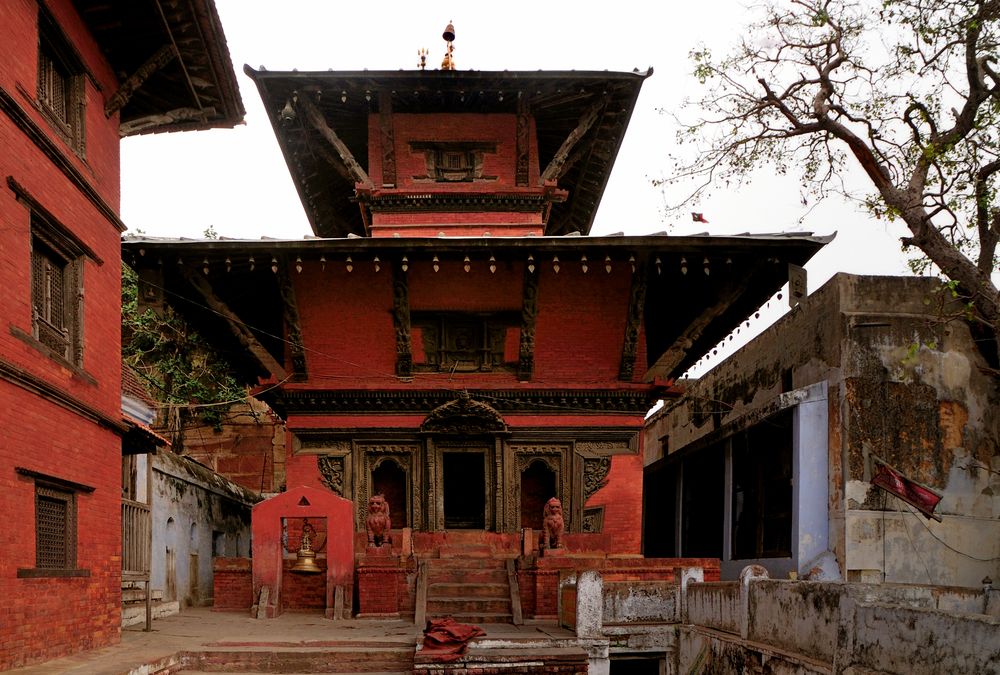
[
  {"x": 904, "y": 384},
  {"x": 191, "y": 506}
]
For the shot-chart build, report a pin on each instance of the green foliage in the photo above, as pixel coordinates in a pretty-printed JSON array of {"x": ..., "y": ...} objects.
[{"x": 176, "y": 363}]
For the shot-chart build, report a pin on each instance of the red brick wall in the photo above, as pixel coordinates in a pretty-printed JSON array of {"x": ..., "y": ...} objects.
[
  {"x": 44, "y": 618},
  {"x": 49, "y": 617},
  {"x": 301, "y": 591},
  {"x": 233, "y": 584},
  {"x": 622, "y": 501},
  {"x": 247, "y": 448},
  {"x": 495, "y": 127}
]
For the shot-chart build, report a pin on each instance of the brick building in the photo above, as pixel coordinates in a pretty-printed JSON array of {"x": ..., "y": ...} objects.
[
  {"x": 452, "y": 338},
  {"x": 74, "y": 77}
]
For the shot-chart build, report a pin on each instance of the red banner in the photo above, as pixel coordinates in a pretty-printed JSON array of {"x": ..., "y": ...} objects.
[{"x": 914, "y": 494}]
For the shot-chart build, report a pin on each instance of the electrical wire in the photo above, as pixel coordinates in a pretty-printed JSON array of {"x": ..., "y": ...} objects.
[{"x": 946, "y": 544}]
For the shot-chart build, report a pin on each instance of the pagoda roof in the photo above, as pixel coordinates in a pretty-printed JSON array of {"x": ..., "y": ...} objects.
[
  {"x": 712, "y": 282},
  {"x": 195, "y": 88},
  {"x": 556, "y": 99}
]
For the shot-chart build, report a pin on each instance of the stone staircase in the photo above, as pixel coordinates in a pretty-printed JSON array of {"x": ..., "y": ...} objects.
[
  {"x": 134, "y": 604},
  {"x": 369, "y": 658},
  {"x": 471, "y": 586}
]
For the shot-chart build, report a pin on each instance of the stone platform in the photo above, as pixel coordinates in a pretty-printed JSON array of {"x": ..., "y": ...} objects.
[{"x": 200, "y": 640}]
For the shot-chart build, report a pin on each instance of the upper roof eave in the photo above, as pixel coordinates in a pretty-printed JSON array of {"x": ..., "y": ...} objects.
[{"x": 457, "y": 244}]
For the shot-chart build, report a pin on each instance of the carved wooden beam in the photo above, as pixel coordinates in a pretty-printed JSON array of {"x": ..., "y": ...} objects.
[
  {"x": 293, "y": 323},
  {"x": 676, "y": 352},
  {"x": 239, "y": 329},
  {"x": 318, "y": 122},
  {"x": 633, "y": 322},
  {"x": 387, "y": 139},
  {"x": 120, "y": 98},
  {"x": 523, "y": 144},
  {"x": 163, "y": 119},
  {"x": 401, "y": 322},
  {"x": 556, "y": 167},
  {"x": 529, "y": 310}
]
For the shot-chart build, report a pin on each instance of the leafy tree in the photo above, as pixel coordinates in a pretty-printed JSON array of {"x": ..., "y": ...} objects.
[
  {"x": 906, "y": 90},
  {"x": 176, "y": 363}
]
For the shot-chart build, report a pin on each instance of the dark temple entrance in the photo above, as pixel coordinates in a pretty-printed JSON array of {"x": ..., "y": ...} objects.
[{"x": 464, "y": 490}]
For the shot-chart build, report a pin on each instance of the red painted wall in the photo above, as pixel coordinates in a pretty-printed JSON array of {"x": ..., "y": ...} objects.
[{"x": 44, "y": 618}]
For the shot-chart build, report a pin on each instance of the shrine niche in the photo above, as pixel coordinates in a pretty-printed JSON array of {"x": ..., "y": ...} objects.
[
  {"x": 530, "y": 470},
  {"x": 392, "y": 470}
]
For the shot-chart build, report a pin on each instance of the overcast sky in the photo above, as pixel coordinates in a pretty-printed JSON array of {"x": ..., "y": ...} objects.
[{"x": 236, "y": 181}]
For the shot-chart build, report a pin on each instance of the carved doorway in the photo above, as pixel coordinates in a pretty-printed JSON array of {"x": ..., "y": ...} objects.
[
  {"x": 538, "y": 485},
  {"x": 389, "y": 480},
  {"x": 464, "y": 483}
]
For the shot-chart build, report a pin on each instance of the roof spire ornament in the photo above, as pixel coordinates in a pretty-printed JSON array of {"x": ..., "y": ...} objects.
[{"x": 448, "y": 63}]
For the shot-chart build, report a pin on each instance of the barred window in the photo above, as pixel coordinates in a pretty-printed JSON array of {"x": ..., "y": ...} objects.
[
  {"x": 55, "y": 528},
  {"x": 61, "y": 95}
]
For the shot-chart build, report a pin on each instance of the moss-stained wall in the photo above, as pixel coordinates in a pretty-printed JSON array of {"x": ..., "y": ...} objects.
[{"x": 905, "y": 383}]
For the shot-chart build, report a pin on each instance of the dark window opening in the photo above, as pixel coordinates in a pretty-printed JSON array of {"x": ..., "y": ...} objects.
[
  {"x": 762, "y": 489},
  {"x": 538, "y": 485},
  {"x": 464, "y": 490},
  {"x": 462, "y": 343},
  {"x": 218, "y": 544},
  {"x": 659, "y": 525},
  {"x": 389, "y": 480},
  {"x": 636, "y": 665},
  {"x": 702, "y": 509}
]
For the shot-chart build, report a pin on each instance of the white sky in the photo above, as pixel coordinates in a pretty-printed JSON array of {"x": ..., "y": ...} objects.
[{"x": 236, "y": 180}]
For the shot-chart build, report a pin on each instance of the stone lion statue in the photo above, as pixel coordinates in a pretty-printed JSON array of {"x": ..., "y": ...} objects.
[
  {"x": 378, "y": 523},
  {"x": 552, "y": 525}
]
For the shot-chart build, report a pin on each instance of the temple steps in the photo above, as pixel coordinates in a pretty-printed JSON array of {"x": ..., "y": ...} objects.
[
  {"x": 353, "y": 659},
  {"x": 469, "y": 589}
]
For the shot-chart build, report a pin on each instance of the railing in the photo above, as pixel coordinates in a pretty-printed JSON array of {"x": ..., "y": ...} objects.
[{"x": 137, "y": 540}]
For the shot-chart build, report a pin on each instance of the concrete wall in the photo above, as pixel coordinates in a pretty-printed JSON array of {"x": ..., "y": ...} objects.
[
  {"x": 824, "y": 627},
  {"x": 904, "y": 384},
  {"x": 195, "y": 513}
]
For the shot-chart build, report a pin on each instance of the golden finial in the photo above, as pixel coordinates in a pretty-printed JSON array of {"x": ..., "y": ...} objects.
[
  {"x": 448, "y": 63},
  {"x": 422, "y": 53}
]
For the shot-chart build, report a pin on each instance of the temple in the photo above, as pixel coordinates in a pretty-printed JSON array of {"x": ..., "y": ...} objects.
[{"x": 452, "y": 338}]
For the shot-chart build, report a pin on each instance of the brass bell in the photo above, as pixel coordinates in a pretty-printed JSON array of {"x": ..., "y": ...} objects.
[
  {"x": 305, "y": 557},
  {"x": 306, "y": 562},
  {"x": 449, "y": 33}
]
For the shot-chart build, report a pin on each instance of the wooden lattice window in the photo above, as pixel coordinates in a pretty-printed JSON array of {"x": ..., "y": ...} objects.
[
  {"x": 461, "y": 343},
  {"x": 55, "y": 528},
  {"x": 61, "y": 93},
  {"x": 56, "y": 293},
  {"x": 453, "y": 161}
]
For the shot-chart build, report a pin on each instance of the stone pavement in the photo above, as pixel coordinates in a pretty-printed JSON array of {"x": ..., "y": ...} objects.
[{"x": 200, "y": 629}]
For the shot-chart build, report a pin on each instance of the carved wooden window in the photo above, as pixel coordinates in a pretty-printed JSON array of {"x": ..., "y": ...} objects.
[
  {"x": 61, "y": 94},
  {"x": 55, "y": 528},
  {"x": 56, "y": 293},
  {"x": 462, "y": 343},
  {"x": 450, "y": 162}
]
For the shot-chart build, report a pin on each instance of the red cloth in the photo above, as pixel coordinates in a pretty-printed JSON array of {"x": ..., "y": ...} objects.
[
  {"x": 446, "y": 639},
  {"x": 910, "y": 492}
]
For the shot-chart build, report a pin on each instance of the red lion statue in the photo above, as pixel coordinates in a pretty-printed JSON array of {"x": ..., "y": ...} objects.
[
  {"x": 552, "y": 525},
  {"x": 378, "y": 523}
]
